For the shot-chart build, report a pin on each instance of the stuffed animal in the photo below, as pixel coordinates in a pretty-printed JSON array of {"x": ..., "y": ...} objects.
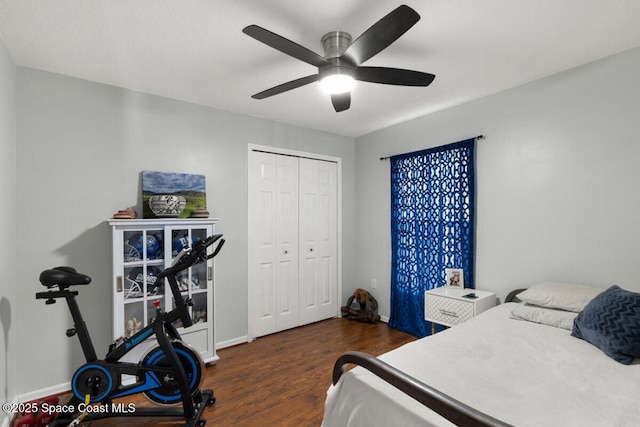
[
  {"x": 366, "y": 309},
  {"x": 133, "y": 326},
  {"x": 199, "y": 315}
]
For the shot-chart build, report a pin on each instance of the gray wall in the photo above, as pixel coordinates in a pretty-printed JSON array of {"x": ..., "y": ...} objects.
[
  {"x": 7, "y": 223},
  {"x": 557, "y": 180},
  {"x": 557, "y": 196},
  {"x": 81, "y": 148}
]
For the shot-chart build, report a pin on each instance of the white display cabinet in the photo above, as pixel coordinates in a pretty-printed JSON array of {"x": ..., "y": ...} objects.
[{"x": 141, "y": 249}]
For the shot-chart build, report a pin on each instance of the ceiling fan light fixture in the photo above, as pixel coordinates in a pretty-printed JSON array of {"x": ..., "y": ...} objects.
[
  {"x": 337, "y": 83},
  {"x": 337, "y": 78},
  {"x": 341, "y": 64}
]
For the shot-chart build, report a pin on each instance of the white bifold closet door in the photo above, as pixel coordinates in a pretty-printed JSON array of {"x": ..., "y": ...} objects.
[
  {"x": 317, "y": 237},
  {"x": 293, "y": 274}
]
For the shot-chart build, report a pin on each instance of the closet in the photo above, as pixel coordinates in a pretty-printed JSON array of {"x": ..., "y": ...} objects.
[{"x": 293, "y": 241}]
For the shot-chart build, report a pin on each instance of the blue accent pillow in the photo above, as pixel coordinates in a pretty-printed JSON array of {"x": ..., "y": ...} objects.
[{"x": 611, "y": 322}]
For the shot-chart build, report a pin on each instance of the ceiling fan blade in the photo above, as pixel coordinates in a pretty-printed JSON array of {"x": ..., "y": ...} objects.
[
  {"x": 293, "y": 84},
  {"x": 381, "y": 34},
  {"x": 393, "y": 76},
  {"x": 341, "y": 101},
  {"x": 285, "y": 45}
]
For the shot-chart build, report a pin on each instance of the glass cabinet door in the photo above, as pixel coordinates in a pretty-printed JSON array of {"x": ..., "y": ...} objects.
[
  {"x": 193, "y": 282},
  {"x": 143, "y": 255}
]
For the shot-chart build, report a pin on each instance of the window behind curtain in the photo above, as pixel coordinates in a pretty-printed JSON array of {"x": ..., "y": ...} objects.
[{"x": 432, "y": 227}]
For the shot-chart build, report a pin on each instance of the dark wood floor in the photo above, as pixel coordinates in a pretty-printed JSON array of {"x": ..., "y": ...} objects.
[{"x": 280, "y": 379}]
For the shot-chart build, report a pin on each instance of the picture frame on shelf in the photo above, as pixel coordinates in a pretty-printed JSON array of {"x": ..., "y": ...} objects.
[
  {"x": 454, "y": 277},
  {"x": 173, "y": 194}
]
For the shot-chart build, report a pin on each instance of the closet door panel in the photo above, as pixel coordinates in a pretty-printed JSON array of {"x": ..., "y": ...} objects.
[
  {"x": 287, "y": 242},
  {"x": 325, "y": 271},
  {"x": 318, "y": 240},
  {"x": 265, "y": 269},
  {"x": 309, "y": 304},
  {"x": 266, "y": 285}
]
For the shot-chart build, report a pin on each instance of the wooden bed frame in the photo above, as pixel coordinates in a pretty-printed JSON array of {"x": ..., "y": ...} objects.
[{"x": 448, "y": 407}]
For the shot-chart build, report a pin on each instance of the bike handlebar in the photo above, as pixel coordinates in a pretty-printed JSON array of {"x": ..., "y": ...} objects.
[
  {"x": 192, "y": 256},
  {"x": 187, "y": 258}
]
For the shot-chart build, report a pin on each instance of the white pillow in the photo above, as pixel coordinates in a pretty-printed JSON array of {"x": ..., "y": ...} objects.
[
  {"x": 565, "y": 296},
  {"x": 547, "y": 316}
]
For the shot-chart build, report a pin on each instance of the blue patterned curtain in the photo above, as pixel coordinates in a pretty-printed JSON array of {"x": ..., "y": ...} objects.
[{"x": 432, "y": 227}]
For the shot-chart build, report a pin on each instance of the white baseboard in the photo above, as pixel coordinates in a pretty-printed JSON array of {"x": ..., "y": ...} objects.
[
  {"x": 231, "y": 342},
  {"x": 44, "y": 392}
]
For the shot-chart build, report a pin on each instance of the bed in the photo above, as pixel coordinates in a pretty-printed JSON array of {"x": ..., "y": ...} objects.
[{"x": 497, "y": 370}]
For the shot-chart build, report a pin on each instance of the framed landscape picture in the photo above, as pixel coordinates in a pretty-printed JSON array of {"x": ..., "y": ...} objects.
[{"x": 191, "y": 187}]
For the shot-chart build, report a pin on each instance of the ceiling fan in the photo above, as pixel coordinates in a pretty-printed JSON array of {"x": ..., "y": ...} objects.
[{"x": 341, "y": 66}]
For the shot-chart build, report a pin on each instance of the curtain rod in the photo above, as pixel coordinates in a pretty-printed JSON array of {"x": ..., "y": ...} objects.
[{"x": 388, "y": 157}]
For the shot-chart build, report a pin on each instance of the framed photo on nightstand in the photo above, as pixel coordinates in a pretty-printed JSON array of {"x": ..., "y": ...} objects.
[{"x": 454, "y": 277}]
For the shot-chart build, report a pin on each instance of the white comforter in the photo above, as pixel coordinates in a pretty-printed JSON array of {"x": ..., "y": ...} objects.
[{"x": 522, "y": 373}]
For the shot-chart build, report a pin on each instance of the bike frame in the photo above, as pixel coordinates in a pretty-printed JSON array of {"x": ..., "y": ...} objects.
[
  {"x": 164, "y": 332},
  {"x": 162, "y": 327},
  {"x": 165, "y": 319}
]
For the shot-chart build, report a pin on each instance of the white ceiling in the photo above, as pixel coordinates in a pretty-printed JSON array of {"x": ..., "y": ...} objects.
[{"x": 195, "y": 51}]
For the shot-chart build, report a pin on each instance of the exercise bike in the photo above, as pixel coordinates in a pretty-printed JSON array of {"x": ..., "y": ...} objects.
[{"x": 169, "y": 373}]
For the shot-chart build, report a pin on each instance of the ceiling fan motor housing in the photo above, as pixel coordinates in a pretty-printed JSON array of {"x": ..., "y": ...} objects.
[{"x": 334, "y": 44}]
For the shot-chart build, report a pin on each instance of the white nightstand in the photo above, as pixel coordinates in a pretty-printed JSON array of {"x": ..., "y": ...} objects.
[{"x": 449, "y": 307}]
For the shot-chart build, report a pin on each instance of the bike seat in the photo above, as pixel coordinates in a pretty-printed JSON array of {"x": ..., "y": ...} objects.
[{"x": 63, "y": 277}]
